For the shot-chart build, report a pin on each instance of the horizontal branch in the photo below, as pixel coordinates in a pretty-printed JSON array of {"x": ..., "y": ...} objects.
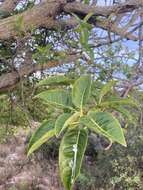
[
  {"x": 44, "y": 14},
  {"x": 8, "y": 6},
  {"x": 83, "y": 9},
  {"x": 9, "y": 80},
  {"x": 40, "y": 15},
  {"x": 112, "y": 27}
]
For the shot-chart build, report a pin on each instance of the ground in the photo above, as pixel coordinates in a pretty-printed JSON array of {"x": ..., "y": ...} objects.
[{"x": 17, "y": 172}]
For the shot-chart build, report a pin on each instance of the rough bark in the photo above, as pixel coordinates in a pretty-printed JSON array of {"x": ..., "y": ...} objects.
[
  {"x": 9, "y": 80},
  {"x": 40, "y": 15},
  {"x": 82, "y": 9},
  {"x": 44, "y": 14},
  {"x": 8, "y": 6}
]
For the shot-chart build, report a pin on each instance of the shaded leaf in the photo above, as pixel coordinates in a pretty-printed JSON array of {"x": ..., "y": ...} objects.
[
  {"x": 125, "y": 113},
  {"x": 41, "y": 135},
  {"x": 120, "y": 101},
  {"x": 105, "y": 89},
  {"x": 86, "y": 1},
  {"x": 59, "y": 124}
]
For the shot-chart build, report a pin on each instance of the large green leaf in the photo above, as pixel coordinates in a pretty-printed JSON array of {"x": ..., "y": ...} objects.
[
  {"x": 81, "y": 91},
  {"x": 54, "y": 80},
  {"x": 56, "y": 97},
  {"x": 105, "y": 124},
  {"x": 105, "y": 89},
  {"x": 59, "y": 124},
  {"x": 71, "y": 154},
  {"x": 41, "y": 135}
]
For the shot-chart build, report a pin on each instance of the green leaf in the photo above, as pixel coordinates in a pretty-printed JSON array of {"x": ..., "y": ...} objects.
[
  {"x": 105, "y": 89},
  {"x": 77, "y": 18},
  {"x": 81, "y": 91},
  {"x": 56, "y": 98},
  {"x": 105, "y": 124},
  {"x": 64, "y": 121},
  {"x": 88, "y": 16},
  {"x": 72, "y": 119},
  {"x": 59, "y": 124},
  {"x": 41, "y": 135},
  {"x": 120, "y": 101},
  {"x": 84, "y": 38},
  {"x": 86, "y": 1},
  {"x": 72, "y": 149},
  {"x": 3, "y": 96},
  {"x": 19, "y": 24},
  {"x": 125, "y": 113},
  {"x": 54, "y": 80}
]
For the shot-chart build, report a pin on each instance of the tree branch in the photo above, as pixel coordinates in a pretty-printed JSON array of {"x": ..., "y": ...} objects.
[
  {"x": 43, "y": 15},
  {"x": 8, "y": 6},
  {"x": 82, "y": 9},
  {"x": 8, "y": 81},
  {"x": 40, "y": 15}
]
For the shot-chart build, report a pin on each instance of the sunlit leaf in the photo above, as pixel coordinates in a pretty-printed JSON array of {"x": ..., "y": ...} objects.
[
  {"x": 71, "y": 154},
  {"x": 56, "y": 98},
  {"x": 81, "y": 91},
  {"x": 105, "y": 124}
]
